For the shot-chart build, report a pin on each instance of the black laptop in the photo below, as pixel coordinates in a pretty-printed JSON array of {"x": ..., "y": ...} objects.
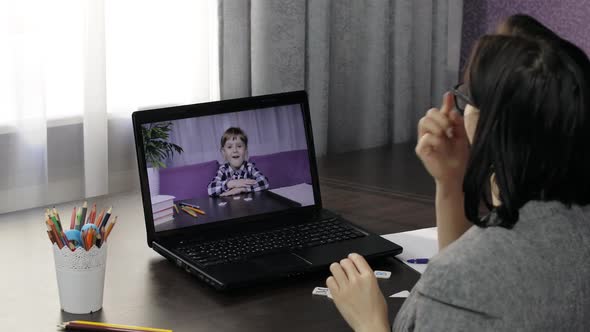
[{"x": 248, "y": 211}]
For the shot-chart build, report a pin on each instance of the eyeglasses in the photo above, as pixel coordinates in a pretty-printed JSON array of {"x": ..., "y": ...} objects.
[{"x": 461, "y": 95}]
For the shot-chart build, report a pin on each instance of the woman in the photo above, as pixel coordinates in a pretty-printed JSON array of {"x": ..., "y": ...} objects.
[{"x": 524, "y": 137}]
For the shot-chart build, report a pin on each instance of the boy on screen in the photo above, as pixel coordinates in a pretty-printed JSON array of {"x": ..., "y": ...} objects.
[{"x": 236, "y": 175}]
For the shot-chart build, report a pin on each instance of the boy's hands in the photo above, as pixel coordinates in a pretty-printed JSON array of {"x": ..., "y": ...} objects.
[
  {"x": 357, "y": 295},
  {"x": 442, "y": 145},
  {"x": 233, "y": 191},
  {"x": 238, "y": 186},
  {"x": 241, "y": 183}
]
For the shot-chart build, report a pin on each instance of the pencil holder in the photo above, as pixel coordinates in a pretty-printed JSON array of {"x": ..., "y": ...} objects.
[{"x": 80, "y": 278}]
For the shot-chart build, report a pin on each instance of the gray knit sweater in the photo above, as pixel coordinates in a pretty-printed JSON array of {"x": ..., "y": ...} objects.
[{"x": 534, "y": 277}]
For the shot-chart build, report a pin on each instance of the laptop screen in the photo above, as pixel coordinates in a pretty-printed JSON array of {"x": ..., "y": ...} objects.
[{"x": 211, "y": 168}]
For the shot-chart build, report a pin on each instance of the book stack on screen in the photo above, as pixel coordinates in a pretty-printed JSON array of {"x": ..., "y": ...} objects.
[{"x": 162, "y": 208}]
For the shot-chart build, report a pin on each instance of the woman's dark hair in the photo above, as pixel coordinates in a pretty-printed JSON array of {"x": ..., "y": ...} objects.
[
  {"x": 522, "y": 25},
  {"x": 533, "y": 132}
]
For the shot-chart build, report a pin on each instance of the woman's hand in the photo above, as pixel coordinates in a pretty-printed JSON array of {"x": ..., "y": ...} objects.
[
  {"x": 442, "y": 145},
  {"x": 357, "y": 295}
]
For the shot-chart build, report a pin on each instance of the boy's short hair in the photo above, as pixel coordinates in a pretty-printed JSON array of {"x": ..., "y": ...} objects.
[{"x": 233, "y": 132}]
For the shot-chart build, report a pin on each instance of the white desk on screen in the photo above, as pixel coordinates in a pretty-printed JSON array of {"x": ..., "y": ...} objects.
[{"x": 301, "y": 193}]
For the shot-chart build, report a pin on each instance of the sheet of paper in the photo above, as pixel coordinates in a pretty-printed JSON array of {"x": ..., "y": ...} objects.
[
  {"x": 301, "y": 193},
  {"x": 403, "y": 293},
  {"x": 421, "y": 243}
]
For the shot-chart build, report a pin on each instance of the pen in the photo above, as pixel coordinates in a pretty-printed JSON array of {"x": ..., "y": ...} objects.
[
  {"x": 418, "y": 260},
  {"x": 189, "y": 205},
  {"x": 79, "y": 325}
]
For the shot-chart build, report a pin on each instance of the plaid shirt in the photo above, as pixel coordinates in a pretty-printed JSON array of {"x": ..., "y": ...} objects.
[{"x": 225, "y": 173}]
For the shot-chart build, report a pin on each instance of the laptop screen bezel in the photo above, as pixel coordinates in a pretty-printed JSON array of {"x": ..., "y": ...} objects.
[{"x": 213, "y": 108}]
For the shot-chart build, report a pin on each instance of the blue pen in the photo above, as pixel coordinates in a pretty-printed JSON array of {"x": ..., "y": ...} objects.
[
  {"x": 418, "y": 260},
  {"x": 190, "y": 205}
]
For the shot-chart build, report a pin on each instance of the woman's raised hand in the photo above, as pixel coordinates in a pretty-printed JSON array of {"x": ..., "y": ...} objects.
[{"x": 442, "y": 145}]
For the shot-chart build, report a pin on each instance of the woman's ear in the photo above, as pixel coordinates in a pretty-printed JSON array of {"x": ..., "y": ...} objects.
[{"x": 495, "y": 191}]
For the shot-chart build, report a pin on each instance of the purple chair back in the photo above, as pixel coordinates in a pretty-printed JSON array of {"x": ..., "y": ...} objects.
[
  {"x": 189, "y": 181},
  {"x": 284, "y": 168}
]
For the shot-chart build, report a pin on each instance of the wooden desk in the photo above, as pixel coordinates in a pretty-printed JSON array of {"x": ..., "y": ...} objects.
[{"x": 142, "y": 288}]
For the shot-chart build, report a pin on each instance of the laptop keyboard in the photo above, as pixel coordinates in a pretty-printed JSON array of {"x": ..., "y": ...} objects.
[{"x": 247, "y": 246}]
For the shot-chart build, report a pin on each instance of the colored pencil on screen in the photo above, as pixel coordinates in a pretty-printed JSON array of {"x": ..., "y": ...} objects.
[
  {"x": 189, "y": 211},
  {"x": 193, "y": 208},
  {"x": 199, "y": 211}
]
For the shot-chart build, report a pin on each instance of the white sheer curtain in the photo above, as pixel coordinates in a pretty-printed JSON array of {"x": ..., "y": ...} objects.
[
  {"x": 71, "y": 73},
  {"x": 371, "y": 68}
]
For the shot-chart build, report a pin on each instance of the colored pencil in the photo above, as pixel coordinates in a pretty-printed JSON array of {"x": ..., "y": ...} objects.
[
  {"x": 99, "y": 218},
  {"x": 92, "y": 215},
  {"x": 96, "y": 326},
  {"x": 54, "y": 220},
  {"x": 58, "y": 239},
  {"x": 93, "y": 238},
  {"x": 50, "y": 235},
  {"x": 89, "y": 237},
  {"x": 189, "y": 211},
  {"x": 109, "y": 229},
  {"x": 104, "y": 220},
  {"x": 73, "y": 219},
  {"x": 56, "y": 214},
  {"x": 199, "y": 211},
  {"x": 98, "y": 238},
  {"x": 80, "y": 222}
]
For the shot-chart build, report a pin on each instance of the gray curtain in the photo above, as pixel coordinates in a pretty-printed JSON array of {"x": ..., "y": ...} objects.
[{"x": 371, "y": 67}]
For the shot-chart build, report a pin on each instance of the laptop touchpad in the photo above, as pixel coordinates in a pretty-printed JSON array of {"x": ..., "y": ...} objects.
[{"x": 279, "y": 262}]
